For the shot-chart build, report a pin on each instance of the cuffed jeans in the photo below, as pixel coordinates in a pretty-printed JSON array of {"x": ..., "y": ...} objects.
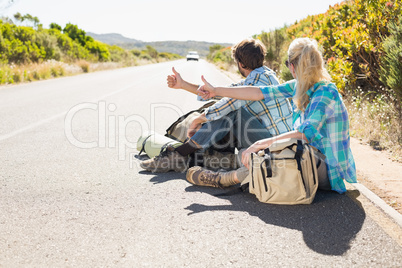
[{"x": 245, "y": 127}]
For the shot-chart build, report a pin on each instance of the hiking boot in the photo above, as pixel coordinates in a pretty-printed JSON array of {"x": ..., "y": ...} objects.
[
  {"x": 204, "y": 177},
  {"x": 216, "y": 160},
  {"x": 168, "y": 160}
]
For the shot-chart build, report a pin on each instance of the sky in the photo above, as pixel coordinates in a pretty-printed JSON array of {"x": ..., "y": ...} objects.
[{"x": 218, "y": 21}]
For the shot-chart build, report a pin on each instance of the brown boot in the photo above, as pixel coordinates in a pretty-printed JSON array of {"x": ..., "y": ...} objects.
[
  {"x": 204, "y": 177},
  {"x": 168, "y": 160},
  {"x": 217, "y": 160}
]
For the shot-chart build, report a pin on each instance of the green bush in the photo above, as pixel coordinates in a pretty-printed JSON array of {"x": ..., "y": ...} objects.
[
  {"x": 213, "y": 49},
  {"x": 285, "y": 73},
  {"x": 17, "y": 77},
  {"x": 54, "y": 71},
  {"x": 145, "y": 56},
  {"x": 49, "y": 44},
  {"x": 36, "y": 75},
  {"x": 152, "y": 52},
  {"x": 218, "y": 53},
  {"x": 169, "y": 56},
  {"x": 99, "y": 49},
  {"x": 75, "y": 33},
  {"x": 55, "y": 26},
  {"x": 136, "y": 52},
  {"x": 164, "y": 55},
  {"x": 275, "y": 42},
  {"x": 391, "y": 70}
]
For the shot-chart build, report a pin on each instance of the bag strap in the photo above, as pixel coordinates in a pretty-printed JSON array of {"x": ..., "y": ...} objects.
[
  {"x": 298, "y": 157},
  {"x": 315, "y": 176},
  {"x": 268, "y": 167},
  {"x": 163, "y": 148},
  {"x": 143, "y": 144},
  {"x": 299, "y": 153},
  {"x": 267, "y": 161}
]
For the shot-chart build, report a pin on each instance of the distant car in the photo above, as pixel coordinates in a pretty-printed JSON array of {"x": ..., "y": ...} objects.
[{"x": 193, "y": 55}]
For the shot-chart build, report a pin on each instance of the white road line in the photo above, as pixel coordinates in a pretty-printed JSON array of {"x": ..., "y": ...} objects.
[{"x": 63, "y": 114}]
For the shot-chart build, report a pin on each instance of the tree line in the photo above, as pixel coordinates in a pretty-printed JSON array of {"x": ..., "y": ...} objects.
[{"x": 32, "y": 43}]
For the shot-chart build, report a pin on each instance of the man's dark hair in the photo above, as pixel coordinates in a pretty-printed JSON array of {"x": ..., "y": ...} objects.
[{"x": 250, "y": 53}]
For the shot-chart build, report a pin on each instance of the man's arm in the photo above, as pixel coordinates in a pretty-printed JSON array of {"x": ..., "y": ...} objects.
[{"x": 175, "y": 81}]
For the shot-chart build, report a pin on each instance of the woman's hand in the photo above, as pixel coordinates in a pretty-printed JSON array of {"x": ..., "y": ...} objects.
[
  {"x": 259, "y": 145},
  {"x": 206, "y": 91},
  {"x": 245, "y": 157}
]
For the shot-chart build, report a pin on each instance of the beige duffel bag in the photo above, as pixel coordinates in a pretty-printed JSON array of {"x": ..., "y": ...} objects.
[{"x": 284, "y": 173}]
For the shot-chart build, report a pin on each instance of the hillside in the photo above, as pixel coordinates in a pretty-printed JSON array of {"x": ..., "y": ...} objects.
[
  {"x": 177, "y": 47},
  {"x": 113, "y": 38}
]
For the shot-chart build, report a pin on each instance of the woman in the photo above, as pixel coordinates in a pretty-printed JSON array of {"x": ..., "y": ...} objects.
[{"x": 319, "y": 117}]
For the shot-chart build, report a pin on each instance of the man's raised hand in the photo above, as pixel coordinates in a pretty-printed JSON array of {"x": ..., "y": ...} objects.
[{"x": 175, "y": 80}]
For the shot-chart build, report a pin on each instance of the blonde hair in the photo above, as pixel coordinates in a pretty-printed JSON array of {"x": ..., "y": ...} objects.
[{"x": 309, "y": 68}]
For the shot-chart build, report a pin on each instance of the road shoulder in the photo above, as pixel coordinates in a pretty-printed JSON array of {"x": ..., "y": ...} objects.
[{"x": 378, "y": 173}]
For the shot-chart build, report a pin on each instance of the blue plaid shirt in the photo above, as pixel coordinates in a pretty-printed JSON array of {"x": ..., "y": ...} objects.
[
  {"x": 275, "y": 114},
  {"x": 325, "y": 125}
]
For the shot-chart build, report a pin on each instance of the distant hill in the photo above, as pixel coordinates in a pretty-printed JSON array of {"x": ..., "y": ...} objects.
[
  {"x": 113, "y": 38},
  {"x": 178, "y": 47}
]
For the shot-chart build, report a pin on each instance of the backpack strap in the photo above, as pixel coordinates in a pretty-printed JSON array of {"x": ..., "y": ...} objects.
[
  {"x": 163, "y": 148},
  {"x": 298, "y": 157},
  {"x": 267, "y": 161},
  {"x": 143, "y": 144},
  {"x": 268, "y": 167},
  {"x": 299, "y": 153}
]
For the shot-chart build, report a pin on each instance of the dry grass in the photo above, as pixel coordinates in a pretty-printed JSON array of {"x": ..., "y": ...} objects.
[
  {"x": 377, "y": 122},
  {"x": 84, "y": 65},
  {"x": 14, "y": 74}
]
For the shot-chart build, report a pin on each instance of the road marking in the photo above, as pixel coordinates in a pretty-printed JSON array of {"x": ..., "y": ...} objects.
[
  {"x": 63, "y": 114},
  {"x": 31, "y": 126}
]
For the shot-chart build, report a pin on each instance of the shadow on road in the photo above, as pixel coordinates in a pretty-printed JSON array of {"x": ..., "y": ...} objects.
[
  {"x": 163, "y": 177},
  {"x": 328, "y": 225}
]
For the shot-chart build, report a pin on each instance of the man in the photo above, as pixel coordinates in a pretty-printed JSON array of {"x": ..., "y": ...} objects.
[{"x": 250, "y": 120}]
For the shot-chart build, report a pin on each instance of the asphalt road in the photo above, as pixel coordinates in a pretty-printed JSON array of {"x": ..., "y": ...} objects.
[{"x": 72, "y": 193}]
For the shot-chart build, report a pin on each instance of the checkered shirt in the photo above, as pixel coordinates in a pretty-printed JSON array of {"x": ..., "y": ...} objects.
[
  {"x": 275, "y": 114},
  {"x": 326, "y": 126}
]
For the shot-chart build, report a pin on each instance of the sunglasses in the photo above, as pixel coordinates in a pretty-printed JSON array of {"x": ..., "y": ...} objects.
[{"x": 287, "y": 63}]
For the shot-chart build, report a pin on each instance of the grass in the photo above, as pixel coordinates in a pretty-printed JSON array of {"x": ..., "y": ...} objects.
[
  {"x": 376, "y": 121},
  {"x": 14, "y": 74}
]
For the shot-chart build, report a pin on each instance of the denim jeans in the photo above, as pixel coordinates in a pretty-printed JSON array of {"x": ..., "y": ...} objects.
[{"x": 245, "y": 127}]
